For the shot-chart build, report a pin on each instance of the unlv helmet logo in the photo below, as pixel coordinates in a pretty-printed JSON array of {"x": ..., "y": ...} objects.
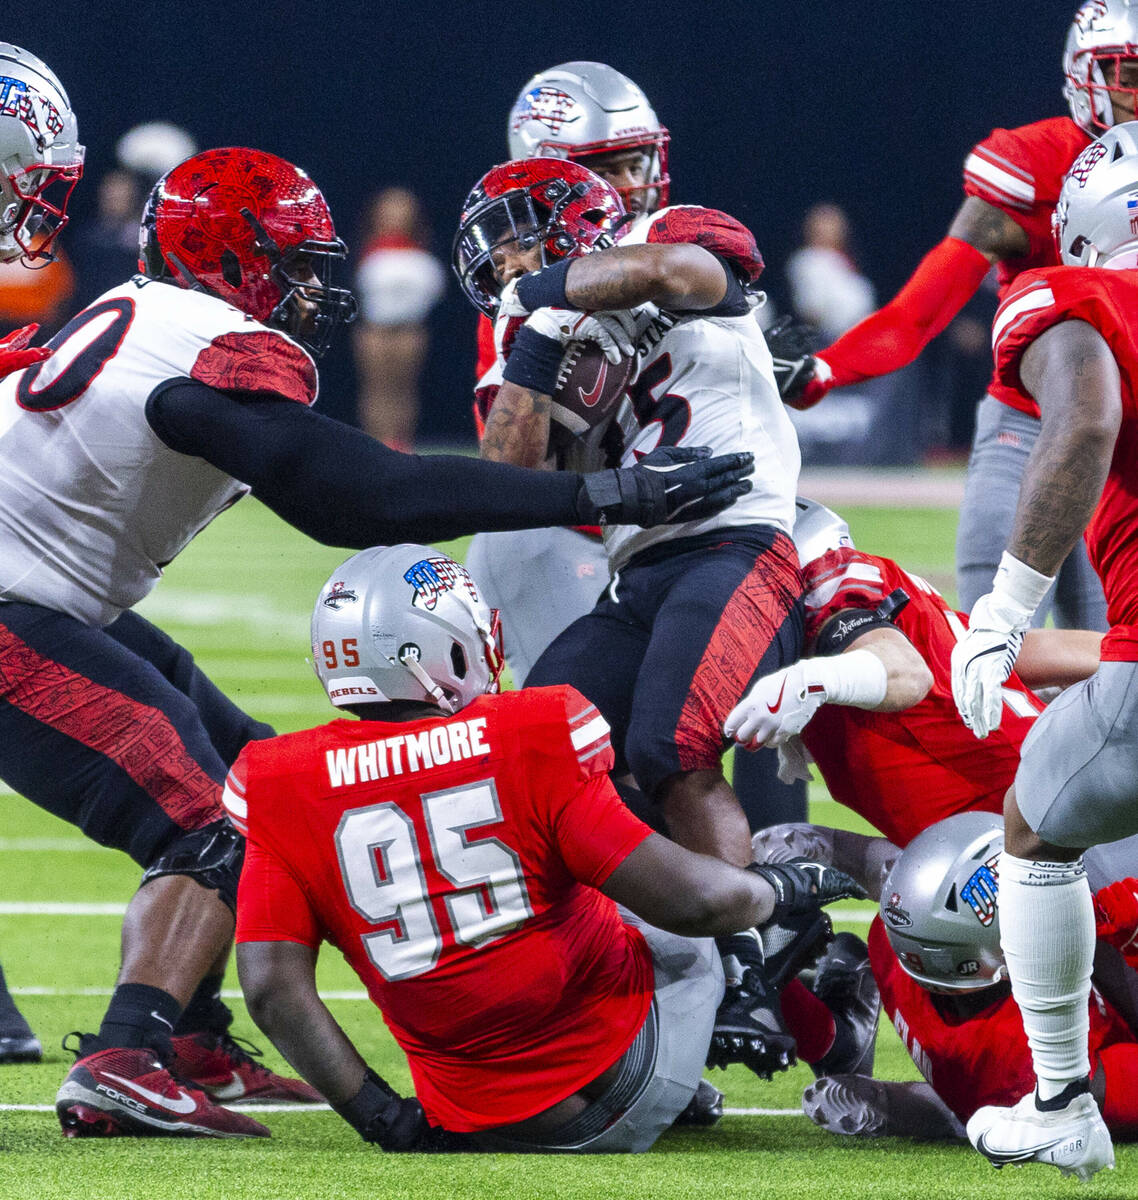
[
  {"x": 1086, "y": 161},
  {"x": 981, "y": 890},
  {"x": 431, "y": 577},
  {"x": 339, "y": 595},
  {"x": 551, "y": 107},
  {"x": 36, "y": 111},
  {"x": 1088, "y": 18}
]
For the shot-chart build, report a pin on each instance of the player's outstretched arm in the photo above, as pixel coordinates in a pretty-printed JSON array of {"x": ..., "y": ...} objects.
[
  {"x": 342, "y": 488},
  {"x": 944, "y": 281},
  {"x": 1070, "y": 371},
  {"x": 1058, "y": 657}
]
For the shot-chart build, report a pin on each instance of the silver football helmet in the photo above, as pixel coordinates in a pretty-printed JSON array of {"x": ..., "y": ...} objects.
[
  {"x": 40, "y": 156},
  {"x": 404, "y": 623},
  {"x": 1095, "y": 221},
  {"x": 817, "y": 529},
  {"x": 938, "y": 904},
  {"x": 1103, "y": 34},
  {"x": 578, "y": 109}
]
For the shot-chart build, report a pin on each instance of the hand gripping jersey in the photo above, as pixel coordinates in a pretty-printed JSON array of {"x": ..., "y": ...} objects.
[
  {"x": 92, "y": 504},
  {"x": 706, "y": 380},
  {"x": 902, "y": 771},
  {"x": 1108, "y": 300},
  {"x": 1020, "y": 171},
  {"x": 454, "y": 861},
  {"x": 983, "y": 1059}
]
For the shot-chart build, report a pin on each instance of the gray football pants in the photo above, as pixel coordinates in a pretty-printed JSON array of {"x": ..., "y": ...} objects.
[
  {"x": 662, "y": 1068},
  {"x": 1000, "y": 449}
]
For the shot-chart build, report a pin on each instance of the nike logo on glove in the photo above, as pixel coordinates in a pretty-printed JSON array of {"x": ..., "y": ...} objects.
[
  {"x": 778, "y": 699},
  {"x": 183, "y": 1103}
]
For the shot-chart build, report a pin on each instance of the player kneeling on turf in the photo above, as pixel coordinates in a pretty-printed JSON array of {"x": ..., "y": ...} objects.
[{"x": 467, "y": 853}]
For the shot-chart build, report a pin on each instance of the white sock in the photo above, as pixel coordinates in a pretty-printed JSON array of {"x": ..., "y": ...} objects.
[{"x": 1047, "y": 931}]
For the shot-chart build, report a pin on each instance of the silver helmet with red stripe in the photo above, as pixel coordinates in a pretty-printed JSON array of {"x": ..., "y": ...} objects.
[
  {"x": 1100, "y": 62},
  {"x": 405, "y": 623},
  {"x": 1095, "y": 222},
  {"x": 581, "y": 110}
]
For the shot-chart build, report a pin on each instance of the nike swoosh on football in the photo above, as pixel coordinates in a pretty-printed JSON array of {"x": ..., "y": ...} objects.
[
  {"x": 1010, "y": 1156},
  {"x": 588, "y": 399},
  {"x": 184, "y": 1103},
  {"x": 778, "y": 700},
  {"x": 230, "y": 1091}
]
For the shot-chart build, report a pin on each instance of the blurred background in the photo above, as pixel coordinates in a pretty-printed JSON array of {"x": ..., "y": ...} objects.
[{"x": 774, "y": 108}]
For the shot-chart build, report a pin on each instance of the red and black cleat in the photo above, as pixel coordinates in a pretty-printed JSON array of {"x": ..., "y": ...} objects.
[
  {"x": 228, "y": 1071},
  {"x": 121, "y": 1092}
]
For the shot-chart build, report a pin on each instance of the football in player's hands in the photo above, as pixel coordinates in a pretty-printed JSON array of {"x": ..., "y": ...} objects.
[{"x": 589, "y": 388}]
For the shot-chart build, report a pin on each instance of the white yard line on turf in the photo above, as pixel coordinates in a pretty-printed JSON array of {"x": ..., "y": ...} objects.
[{"x": 305, "y": 1108}]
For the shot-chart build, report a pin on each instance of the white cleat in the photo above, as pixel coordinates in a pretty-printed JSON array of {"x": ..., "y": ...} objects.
[{"x": 1073, "y": 1138}]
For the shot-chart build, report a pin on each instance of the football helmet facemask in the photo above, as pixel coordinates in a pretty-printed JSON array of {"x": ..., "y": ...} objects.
[
  {"x": 405, "y": 623},
  {"x": 581, "y": 109},
  {"x": 938, "y": 904},
  {"x": 559, "y": 206},
  {"x": 41, "y": 159},
  {"x": 253, "y": 230},
  {"x": 1103, "y": 36}
]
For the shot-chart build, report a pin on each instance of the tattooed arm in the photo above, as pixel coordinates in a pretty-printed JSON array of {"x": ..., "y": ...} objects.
[
  {"x": 989, "y": 230},
  {"x": 1071, "y": 372},
  {"x": 672, "y": 275},
  {"x": 517, "y": 429}
]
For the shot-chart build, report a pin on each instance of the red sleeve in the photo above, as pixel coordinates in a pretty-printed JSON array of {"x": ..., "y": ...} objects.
[
  {"x": 714, "y": 231},
  {"x": 1020, "y": 172},
  {"x": 271, "y": 905},
  {"x": 841, "y": 579},
  {"x": 889, "y": 339},
  {"x": 595, "y": 832},
  {"x": 486, "y": 350},
  {"x": 233, "y": 795},
  {"x": 1030, "y": 308},
  {"x": 258, "y": 363}
]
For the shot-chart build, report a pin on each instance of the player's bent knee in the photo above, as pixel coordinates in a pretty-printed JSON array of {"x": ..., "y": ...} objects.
[{"x": 211, "y": 856}]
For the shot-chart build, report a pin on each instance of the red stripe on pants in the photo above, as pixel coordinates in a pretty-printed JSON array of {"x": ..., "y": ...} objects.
[{"x": 136, "y": 737}]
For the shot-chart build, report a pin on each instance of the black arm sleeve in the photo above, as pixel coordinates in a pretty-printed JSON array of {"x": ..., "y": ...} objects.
[{"x": 341, "y": 487}]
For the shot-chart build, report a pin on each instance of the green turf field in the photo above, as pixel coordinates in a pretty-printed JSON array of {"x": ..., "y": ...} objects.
[{"x": 240, "y": 599}]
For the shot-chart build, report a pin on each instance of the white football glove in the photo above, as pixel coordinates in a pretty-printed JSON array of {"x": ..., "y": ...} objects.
[
  {"x": 613, "y": 332},
  {"x": 983, "y": 659},
  {"x": 777, "y": 708}
]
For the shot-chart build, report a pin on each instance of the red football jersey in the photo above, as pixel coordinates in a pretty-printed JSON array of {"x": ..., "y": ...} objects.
[
  {"x": 984, "y": 1058},
  {"x": 1020, "y": 172},
  {"x": 1108, "y": 300},
  {"x": 902, "y": 771},
  {"x": 454, "y": 862}
]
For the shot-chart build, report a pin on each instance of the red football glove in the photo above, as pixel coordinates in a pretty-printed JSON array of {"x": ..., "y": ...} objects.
[
  {"x": 16, "y": 354},
  {"x": 1116, "y": 917}
]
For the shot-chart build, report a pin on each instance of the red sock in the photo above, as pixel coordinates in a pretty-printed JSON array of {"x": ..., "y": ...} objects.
[{"x": 809, "y": 1020}]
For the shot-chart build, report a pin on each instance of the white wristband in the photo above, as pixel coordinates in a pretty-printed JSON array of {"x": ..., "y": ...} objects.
[
  {"x": 857, "y": 678},
  {"x": 1022, "y": 585}
]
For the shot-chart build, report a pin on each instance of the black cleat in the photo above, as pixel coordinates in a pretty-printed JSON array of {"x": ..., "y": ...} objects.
[
  {"x": 844, "y": 983},
  {"x": 17, "y": 1048},
  {"x": 705, "y": 1108}
]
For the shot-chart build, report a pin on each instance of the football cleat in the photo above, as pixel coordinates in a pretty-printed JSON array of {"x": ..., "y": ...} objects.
[
  {"x": 705, "y": 1107},
  {"x": 749, "y": 1025},
  {"x": 128, "y": 1092},
  {"x": 18, "y": 1048},
  {"x": 1073, "y": 1137},
  {"x": 227, "y": 1071},
  {"x": 855, "y": 1105},
  {"x": 843, "y": 981}
]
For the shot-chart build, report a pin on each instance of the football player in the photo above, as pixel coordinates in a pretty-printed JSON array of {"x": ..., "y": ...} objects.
[
  {"x": 467, "y": 852},
  {"x": 586, "y": 112},
  {"x": 935, "y": 953},
  {"x": 41, "y": 161},
  {"x": 1064, "y": 338},
  {"x": 1011, "y": 184},
  {"x": 689, "y": 619},
  {"x": 179, "y": 392}
]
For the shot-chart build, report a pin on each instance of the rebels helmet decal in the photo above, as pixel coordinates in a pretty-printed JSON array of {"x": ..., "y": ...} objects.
[
  {"x": 1081, "y": 167},
  {"x": 431, "y": 577},
  {"x": 552, "y": 107},
  {"x": 981, "y": 890},
  {"x": 34, "y": 109}
]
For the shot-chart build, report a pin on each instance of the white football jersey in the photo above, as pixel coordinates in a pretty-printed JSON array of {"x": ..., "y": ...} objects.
[
  {"x": 92, "y": 504},
  {"x": 707, "y": 381}
]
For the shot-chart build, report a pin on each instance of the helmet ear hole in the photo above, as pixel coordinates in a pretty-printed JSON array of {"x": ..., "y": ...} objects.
[
  {"x": 458, "y": 660},
  {"x": 230, "y": 268},
  {"x": 950, "y": 900}
]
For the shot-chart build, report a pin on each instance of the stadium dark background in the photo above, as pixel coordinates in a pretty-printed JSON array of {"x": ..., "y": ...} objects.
[{"x": 771, "y": 106}]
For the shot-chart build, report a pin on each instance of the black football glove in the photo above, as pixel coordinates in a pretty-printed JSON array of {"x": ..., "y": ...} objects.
[
  {"x": 670, "y": 484},
  {"x": 394, "y": 1123},
  {"x": 790, "y": 344}
]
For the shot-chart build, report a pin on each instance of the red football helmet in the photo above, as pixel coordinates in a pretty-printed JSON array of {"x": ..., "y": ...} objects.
[
  {"x": 553, "y": 203},
  {"x": 253, "y": 230}
]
